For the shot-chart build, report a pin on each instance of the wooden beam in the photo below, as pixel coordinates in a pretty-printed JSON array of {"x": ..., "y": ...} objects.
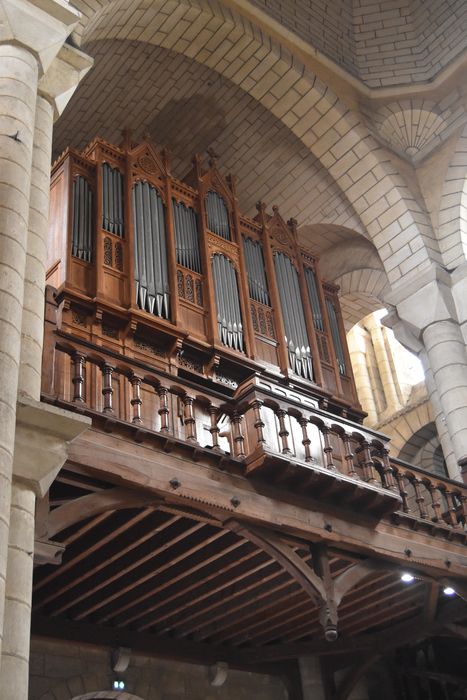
[
  {"x": 95, "y": 503},
  {"x": 397, "y": 635},
  {"x": 431, "y": 601},
  {"x": 285, "y": 556},
  {"x": 350, "y": 680},
  {"x": 212, "y": 491}
]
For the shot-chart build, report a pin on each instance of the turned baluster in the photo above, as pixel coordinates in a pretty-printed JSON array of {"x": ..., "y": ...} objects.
[
  {"x": 403, "y": 491},
  {"x": 283, "y": 432},
  {"x": 463, "y": 500},
  {"x": 369, "y": 471},
  {"x": 79, "y": 362},
  {"x": 258, "y": 424},
  {"x": 136, "y": 401},
  {"x": 327, "y": 449},
  {"x": 419, "y": 498},
  {"x": 348, "y": 456},
  {"x": 238, "y": 439},
  {"x": 435, "y": 502},
  {"x": 214, "y": 429},
  {"x": 163, "y": 394},
  {"x": 452, "y": 510},
  {"x": 306, "y": 442},
  {"x": 388, "y": 471},
  {"x": 189, "y": 419},
  {"x": 107, "y": 389}
]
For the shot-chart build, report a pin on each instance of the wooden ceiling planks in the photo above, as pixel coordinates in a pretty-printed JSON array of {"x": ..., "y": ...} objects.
[{"x": 179, "y": 576}]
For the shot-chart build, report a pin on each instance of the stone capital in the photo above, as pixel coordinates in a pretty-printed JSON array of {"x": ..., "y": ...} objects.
[
  {"x": 40, "y": 26},
  {"x": 422, "y": 301},
  {"x": 63, "y": 76},
  {"x": 41, "y": 441}
]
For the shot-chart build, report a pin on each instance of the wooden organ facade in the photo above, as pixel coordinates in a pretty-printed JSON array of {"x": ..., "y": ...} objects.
[
  {"x": 177, "y": 262},
  {"x": 227, "y": 503}
]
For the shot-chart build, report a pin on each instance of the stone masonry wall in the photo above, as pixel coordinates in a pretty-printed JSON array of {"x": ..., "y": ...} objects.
[{"x": 65, "y": 670}]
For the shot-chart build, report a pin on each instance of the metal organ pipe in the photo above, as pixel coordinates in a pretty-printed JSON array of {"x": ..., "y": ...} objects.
[
  {"x": 229, "y": 317},
  {"x": 258, "y": 287},
  {"x": 82, "y": 226},
  {"x": 151, "y": 273},
  {"x": 112, "y": 200},
  {"x": 217, "y": 215},
  {"x": 314, "y": 299},
  {"x": 186, "y": 236},
  {"x": 336, "y": 336},
  {"x": 294, "y": 318}
]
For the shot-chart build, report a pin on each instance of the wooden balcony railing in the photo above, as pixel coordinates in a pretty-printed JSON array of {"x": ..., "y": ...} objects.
[{"x": 270, "y": 433}]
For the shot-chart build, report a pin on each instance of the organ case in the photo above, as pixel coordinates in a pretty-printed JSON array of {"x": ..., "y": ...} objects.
[{"x": 170, "y": 271}]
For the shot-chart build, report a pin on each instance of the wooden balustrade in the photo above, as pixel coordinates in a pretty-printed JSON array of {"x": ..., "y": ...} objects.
[{"x": 256, "y": 428}]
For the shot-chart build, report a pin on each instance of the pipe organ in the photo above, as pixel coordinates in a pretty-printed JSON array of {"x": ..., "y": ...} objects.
[{"x": 171, "y": 273}]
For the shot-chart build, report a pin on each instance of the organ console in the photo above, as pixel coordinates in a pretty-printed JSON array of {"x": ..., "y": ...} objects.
[{"x": 170, "y": 272}]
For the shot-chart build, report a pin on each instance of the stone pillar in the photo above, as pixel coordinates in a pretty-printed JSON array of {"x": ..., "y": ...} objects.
[
  {"x": 393, "y": 402},
  {"x": 447, "y": 359},
  {"x": 55, "y": 87},
  {"x": 356, "y": 339},
  {"x": 18, "y": 83},
  {"x": 427, "y": 322},
  {"x": 441, "y": 429},
  {"x": 17, "y": 622},
  {"x": 312, "y": 682},
  {"x": 41, "y": 440},
  {"x": 29, "y": 39}
]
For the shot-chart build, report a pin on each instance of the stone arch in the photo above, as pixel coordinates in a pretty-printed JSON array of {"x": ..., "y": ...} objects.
[
  {"x": 407, "y": 423},
  {"x": 424, "y": 450},
  {"x": 353, "y": 263},
  {"x": 453, "y": 208},
  {"x": 245, "y": 54},
  {"x": 89, "y": 687}
]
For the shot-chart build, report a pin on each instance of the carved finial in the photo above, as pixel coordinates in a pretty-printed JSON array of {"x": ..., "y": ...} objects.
[
  {"x": 213, "y": 157},
  {"x": 292, "y": 224},
  {"x": 147, "y": 136},
  {"x": 126, "y": 135},
  {"x": 275, "y": 209}
]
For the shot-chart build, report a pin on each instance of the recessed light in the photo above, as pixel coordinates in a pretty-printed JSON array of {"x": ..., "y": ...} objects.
[{"x": 407, "y": 578}]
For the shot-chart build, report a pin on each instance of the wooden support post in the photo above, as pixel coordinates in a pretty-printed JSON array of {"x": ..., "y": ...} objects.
[
  {"x": 136, "y": 400},
  {"x": 189, "y": 419},
  {"x": 164, "y": 408},
  {"x": 283, "y": 432},
  {"x": 79, "y": 362},
  {"x": 107, "y": 389}
]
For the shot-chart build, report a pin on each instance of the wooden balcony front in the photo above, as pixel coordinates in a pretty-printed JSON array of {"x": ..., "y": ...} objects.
[{"x": 273, "y": 435}]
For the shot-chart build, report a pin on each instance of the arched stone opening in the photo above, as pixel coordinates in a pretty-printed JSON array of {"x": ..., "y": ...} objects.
[
  {"x": 453, "y": 208},
  {"x": 423, "y": 449}
]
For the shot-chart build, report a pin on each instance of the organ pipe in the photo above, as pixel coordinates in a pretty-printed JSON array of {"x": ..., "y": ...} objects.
[
  {"x": 294, "y": 318},
  {"x": 336, "y": 336},
  {"x": 257, "y": 284},
  {"x": 112, "y": 200},
  {"x": 314, "y": 298},
  {"x": 218, "y": 215},
  {"x": 151, "y": 273},
  {"x": 229, "y": 317},
  {"x": 82, "y": 226},
  {"x": 186, "y": 236}
]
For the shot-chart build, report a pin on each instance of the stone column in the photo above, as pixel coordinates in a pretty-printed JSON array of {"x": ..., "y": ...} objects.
[
  {"x": 393, "y": 403},
  {"x": 427, "y": 323},
  {"x": 41, "y": 440},
  {"x": 356, "y": 339},
  {"x": 29, "y": 40},
  {"x": 55, "y": 88},
  {"x": 441, "y": 429},
  {"x": 312, "y": 682}
]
